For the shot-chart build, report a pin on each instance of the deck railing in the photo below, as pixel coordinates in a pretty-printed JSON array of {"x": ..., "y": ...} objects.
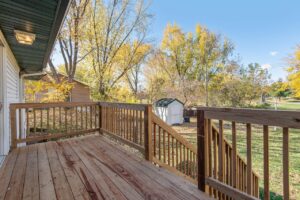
[
  {"x": 35, "y": 122},
  {"x": 172, "y": 151},
  {"x": 207, "y": 153},
  {"x": 214, "y": 164},
  {"x": 128, "y": 123}
]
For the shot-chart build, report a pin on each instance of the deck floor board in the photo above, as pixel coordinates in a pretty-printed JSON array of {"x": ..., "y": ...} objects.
[{"x": 90, "y": 167}]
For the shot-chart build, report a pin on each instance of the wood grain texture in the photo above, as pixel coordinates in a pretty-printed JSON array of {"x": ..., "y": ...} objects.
[{"x": 89, "y": 167}]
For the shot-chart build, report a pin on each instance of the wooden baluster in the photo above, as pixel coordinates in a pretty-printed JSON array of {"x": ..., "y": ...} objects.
[
  {"x": 60, "y": 122},
  {"x": 266, "y": 163},
  {"x": 148, "y": 132},
  {"x": 27, "y": 122},
  {"x": 177, "y": 156},
  {"x": 141, "y": 127},
  {"x": 169, "y": 163},
  {"x": 91, "y": 117},
  {"x": 208, "y": 149},
  {"x": 96, "y": 110},
  {"x": 54, "y": 118},
  {"x": 136, "y": 127},
  {"x": 159, "y": 143},
  {"x": 13, "y": 126},
  {"x": 164, "y": 146},
  {"x": 20, "y": 123},
  {"x": 66, "y": 120},
  {"x": 100, "y": 118},
  {"x": 48, "y": 120},
  {"x": 173, "y": 152},
  {"x": 71, "y": 120},
  {"x": 133, "y": 127},
  {"x": 127, "y": 125},
  {"x": 41, "y": 121},
  {"x": 34, "y": 121},
  {"x": 188, "y": 162},
  {"x": 249, "y": 160},
  {"x": 76, "y": 117},
  {"x": 215, "y": 168},
  {"x": 112, "y": 121},
  {"x": 119, "y": 121},
  {"x": 215, "y": 157},
  {"x": 154, "y": 139},
  {"x": 180, "y": 160},
  {"x": 285, "y": 159},
  {"x": 184, "y": 159},
  {"x": 123, "y": 122},
  {"x": 86, "y": 117},
  {"x": 201, "y": 149},
  {"x": 234, "y": 153},
  {"x": 81, "y": 117},
  {"x": 221, "y": 151}
]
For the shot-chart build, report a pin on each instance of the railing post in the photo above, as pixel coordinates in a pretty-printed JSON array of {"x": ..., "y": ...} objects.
[
  {"x": 100, "y": 118},
  {"x": 148, "y": 132},
  {"x": 201, "y": 149},
  {"x": 13, "y": 128}
]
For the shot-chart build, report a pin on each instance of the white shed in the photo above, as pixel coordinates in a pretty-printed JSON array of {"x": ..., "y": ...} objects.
[{"x": 169, "y": 110}]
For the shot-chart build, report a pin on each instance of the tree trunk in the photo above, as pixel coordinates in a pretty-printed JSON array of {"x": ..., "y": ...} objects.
[{"x": 206, "y": 86}]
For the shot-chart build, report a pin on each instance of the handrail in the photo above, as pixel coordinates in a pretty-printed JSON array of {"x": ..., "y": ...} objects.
[
  {"x": 173, "y": 132},
  {"x": 172, "y": 151}
]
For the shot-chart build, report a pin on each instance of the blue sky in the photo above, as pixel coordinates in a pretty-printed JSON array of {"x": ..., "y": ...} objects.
[{"x": 263, "y": 31}]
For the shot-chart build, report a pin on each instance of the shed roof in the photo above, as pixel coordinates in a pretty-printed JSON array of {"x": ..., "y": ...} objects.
[
  {"x": 164, "y": 102},
  {"x": 43, "y": 18}
]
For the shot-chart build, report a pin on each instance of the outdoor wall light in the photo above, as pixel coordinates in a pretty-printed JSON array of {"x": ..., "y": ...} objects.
[{"x": 24, "y": 37}]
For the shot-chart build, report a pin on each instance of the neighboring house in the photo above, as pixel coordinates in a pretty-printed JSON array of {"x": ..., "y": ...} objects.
[
  {"x": 79, "y": 93},
  {"x": 28, "y": 30},
  {"x": 169, "y": 110}
]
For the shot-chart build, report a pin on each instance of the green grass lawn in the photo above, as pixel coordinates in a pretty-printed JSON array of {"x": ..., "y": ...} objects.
[{"x": 286, "y": 105}]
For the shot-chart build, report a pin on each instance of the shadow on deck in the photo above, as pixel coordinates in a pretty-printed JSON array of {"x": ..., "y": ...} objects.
[{"x": 89, "y": 167}]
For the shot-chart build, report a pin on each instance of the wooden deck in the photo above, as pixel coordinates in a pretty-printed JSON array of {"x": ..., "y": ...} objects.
[{"x": 90, "y": 167}]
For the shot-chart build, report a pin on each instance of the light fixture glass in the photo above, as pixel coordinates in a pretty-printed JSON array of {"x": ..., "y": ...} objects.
[{"x": 24, "y": 37}]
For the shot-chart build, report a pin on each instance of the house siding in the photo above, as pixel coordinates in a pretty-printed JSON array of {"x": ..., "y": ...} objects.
[{"x": 10, "y": 92}]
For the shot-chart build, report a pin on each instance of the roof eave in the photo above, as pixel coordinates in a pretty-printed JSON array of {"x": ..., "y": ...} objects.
[{"x": 61, "y": 13}]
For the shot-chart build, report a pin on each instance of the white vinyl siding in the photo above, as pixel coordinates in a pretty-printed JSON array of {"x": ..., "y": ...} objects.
[{"x": 10, "y": 93}]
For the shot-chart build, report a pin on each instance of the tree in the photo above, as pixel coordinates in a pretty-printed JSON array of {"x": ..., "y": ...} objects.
[
  {"x": 190, "y": 61},
  {"x": 257, "y": 80},
  {"x": 294, "y": 72},
  {"x": 70, "y": 39},
  {"x": 177, "y": 48},
  {"x": 278, "y": 90},
  {"x": 42, "y": 91},
  {"x": 211, "y": 54},
  {"x": 133, "y": 75},
  {"x": 113, "y": 25}
]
